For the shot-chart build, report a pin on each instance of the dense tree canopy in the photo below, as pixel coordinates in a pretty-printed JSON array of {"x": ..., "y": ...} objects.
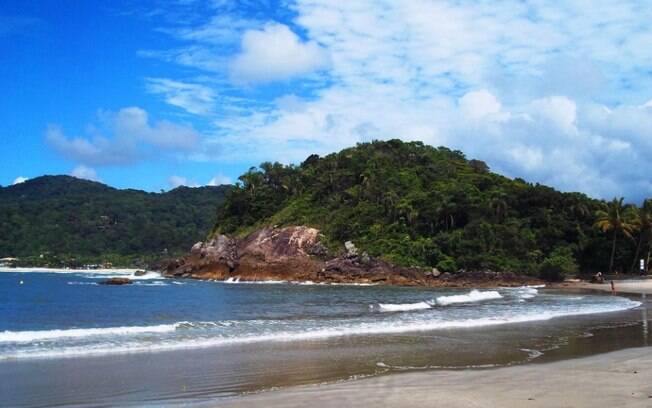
[
  {"x": 71, "y": 218},
  {"x": 413, "y": 204}
]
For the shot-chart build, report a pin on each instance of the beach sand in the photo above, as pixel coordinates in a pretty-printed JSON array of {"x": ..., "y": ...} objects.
[
  {"x": 617, "y": 379},
  {"x": 634, "y": 286}
]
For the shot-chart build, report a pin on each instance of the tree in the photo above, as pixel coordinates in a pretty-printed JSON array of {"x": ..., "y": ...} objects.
[
  {"x": 617, "y": 218},
  {"x": 642, "y": 218},
  {"x": 558, "y": 265}
]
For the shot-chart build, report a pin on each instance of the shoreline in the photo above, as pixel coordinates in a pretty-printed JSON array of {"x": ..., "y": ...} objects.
[
  {"x": 619, "y": 378},
  {"x": 614, "y": 378},
  {"x": 65, "y": 270},
  {"x": 623, "y": 287}
]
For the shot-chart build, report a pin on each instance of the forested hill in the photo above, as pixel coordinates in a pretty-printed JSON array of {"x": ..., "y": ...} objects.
[
  {"x": 417, "y": 205},
  {"x": 64, "y": 217}
]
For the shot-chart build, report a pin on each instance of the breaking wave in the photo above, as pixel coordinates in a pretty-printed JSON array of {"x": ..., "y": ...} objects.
[
  {"x": 402, "y": 307},
  {"x": 473, "y": 296}
]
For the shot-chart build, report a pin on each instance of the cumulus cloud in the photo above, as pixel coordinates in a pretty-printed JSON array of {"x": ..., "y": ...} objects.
[
  {"x": 19, "y": 180},
  {"x": 556, "y": 93},
  {"x": 85, "y": 172},
  {"x": 276, "y": 53},
  {"x": 131, "y": 135},
  {"x": 479, "y": 104},
  {"x": 219, "y": 180},
  {"x": 97, "y": 150},
  {"x": 178, "y": 181}
]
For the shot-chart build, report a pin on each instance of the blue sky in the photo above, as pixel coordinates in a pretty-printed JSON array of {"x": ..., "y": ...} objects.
[{"x": 153, "y": 94}]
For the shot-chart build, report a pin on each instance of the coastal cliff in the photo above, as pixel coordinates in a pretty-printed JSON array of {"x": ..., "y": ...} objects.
[{"x": 296, "y": 254}]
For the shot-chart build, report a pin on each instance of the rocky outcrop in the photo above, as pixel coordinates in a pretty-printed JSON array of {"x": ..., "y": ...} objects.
[
  {"x": 296, "y": 254},
  {"x": 116, "y": 281},
  {"x": 267, "y": 254}
]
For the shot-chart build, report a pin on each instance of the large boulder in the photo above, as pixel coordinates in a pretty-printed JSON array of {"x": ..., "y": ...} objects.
[
  {"x": 266, "y": 254},
  {"x": 116, "y": 281}
]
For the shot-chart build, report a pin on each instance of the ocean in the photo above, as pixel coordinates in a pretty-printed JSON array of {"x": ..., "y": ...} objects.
[{"x": 65, "y": 340}]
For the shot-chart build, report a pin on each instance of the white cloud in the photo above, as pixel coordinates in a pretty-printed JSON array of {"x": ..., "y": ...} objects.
[
  {"x": 552, "y": 92},
  {"x": 132, "y": 136},
  {"x": 193, "y": 98},
  {"x": 178, "y": 181},
  {"x": 479, "y": 104},
  {"x": 84, "y": 172},
  {"x": 276, "y": 53},
  {"x": 19, "y": 180},
  {"x": 219, "y": 180},
  {"x": 97, "y": 150},
  {"x": 133, "y": 122}
]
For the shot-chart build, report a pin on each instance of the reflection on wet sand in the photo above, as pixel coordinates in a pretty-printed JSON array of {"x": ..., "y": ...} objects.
[{"x": 644, "y": 319}]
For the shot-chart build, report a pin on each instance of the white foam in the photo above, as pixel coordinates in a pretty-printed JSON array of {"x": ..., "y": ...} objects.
[
  {"x": 39, "y": 335},
  {"x": 370, "y": 328},
  {"x": 149, "y": 275},
  {"x": 473, "y": 296},
  {"x": 91, "y": 273},
  {"x": 121, "y": 271},
  {"x": 403, "y": 307},
  {"x": 155, "y": 283},
  {"x": 236, "y": 279}
]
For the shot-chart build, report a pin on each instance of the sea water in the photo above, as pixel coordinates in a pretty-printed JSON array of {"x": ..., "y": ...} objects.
[{"x": 226, "y": 338}]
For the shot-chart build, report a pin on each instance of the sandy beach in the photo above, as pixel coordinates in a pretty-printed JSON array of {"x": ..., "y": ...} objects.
[
  {"x": 616, "y": 379},
  {"x": 634, "y": 286}
]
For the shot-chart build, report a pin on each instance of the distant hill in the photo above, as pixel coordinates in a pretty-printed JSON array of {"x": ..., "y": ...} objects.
[
  {"x": 65, "y": 217},
  {"x": 417, "y": 205}
]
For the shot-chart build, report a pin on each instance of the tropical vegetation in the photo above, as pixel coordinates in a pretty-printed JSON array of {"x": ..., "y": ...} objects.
[
  {"x": 61, "y": 220},
  {"x": 418, "y": 205}
]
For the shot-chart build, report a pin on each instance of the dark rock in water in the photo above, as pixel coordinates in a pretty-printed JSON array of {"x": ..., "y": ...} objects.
[
  {"x": 140, "y": 272},
  {"x": 116, "y": 281}
]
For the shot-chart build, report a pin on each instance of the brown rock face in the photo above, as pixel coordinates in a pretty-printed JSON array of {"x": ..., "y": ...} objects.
[
  {"x": 267, "y": 254},
  {"x": 295, "y": 254}
]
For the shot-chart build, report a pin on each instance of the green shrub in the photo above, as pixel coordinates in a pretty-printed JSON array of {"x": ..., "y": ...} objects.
[
  {"x": 558, "y": 265},
  {"x": 447, "y": 264}
]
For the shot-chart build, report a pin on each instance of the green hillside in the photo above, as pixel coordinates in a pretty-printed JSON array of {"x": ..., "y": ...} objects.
[
  {"x": 64, "y": 217},
  {"x": 418, "y": 205}
]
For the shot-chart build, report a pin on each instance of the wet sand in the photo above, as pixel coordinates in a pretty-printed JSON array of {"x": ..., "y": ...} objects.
[
  {"x": 620, "y": 378},
  {"x": 617, "y": 379}
]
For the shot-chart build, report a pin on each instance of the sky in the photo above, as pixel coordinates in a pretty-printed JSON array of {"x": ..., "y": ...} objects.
[{"x": 157, "y": 94}]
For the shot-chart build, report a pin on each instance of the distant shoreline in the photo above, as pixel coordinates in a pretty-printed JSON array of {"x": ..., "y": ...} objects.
[{"x": 65, "y": 270}]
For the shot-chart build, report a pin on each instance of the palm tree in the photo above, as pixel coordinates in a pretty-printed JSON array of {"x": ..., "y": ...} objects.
[
  {"x": 615, "y": 217},
  {"x": 643, "y": 221},
  {"x": 498, "y": 206}
]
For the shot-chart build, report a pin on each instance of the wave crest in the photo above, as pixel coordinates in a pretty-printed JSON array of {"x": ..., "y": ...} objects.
[
  {"x": 473, "y": 296},
  {"x": 402, "y": 307}
]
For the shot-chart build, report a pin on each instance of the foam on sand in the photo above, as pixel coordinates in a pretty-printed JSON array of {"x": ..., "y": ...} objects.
[{"x": 473, "y": 296}]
